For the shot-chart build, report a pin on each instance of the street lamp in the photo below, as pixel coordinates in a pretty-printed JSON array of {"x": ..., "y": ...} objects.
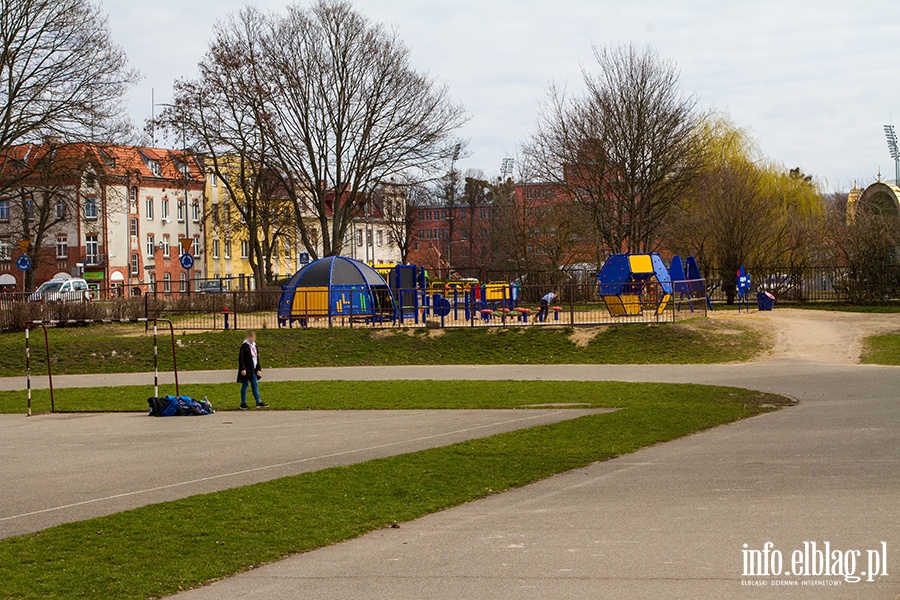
[{"x": 891, "y": 135}]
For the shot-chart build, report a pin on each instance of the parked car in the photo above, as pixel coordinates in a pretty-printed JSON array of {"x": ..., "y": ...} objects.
[
  {"x": 211, "y": 286},
  {"x": 61, "y": 290}
]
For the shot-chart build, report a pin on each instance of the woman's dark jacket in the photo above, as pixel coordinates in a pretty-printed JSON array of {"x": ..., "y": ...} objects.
[{"x": 245, "y": 363}]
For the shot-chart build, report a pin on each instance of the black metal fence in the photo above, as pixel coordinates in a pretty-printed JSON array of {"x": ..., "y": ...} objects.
[{"x": 517, "y": 301}]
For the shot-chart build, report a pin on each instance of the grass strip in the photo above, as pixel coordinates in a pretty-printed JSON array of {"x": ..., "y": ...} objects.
[
  {"x": 126, "y": 349},
  {"x": 163, "y": 548},
  {"x": 882, "y": 349}
]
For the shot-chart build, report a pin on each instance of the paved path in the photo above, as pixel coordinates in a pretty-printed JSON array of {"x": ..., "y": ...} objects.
[
  {"x": 665, "y": 522},
  {"x": 68, "y": 467}
]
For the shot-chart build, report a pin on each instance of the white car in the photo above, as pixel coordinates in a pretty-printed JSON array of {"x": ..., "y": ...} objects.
[{"x": 59, "y": 290}]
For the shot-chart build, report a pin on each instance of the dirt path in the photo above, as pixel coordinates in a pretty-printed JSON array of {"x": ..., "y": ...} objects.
[{"x": 814, "y": 335}]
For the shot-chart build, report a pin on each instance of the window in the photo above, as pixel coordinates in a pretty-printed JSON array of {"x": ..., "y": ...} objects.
[
  {"x": 5, "y": 250},
  {"x": 62, "y": 246},
  {"x": 181, "y": 211},
  {"x": 215, "y": 214},
  {"x": 152, "y": 283},
  {"x": 135, "y": 265},
  {"x": 153, "y": 165},
  {"x": 196, "y": 249},
  {"x": 287, "y": 248},
  {"x": 275, "y": 249},
  {"x": 167, "y": 283},
  {"x": 227, "y": 248},
  {"x": 165, "y": 246},
  {"x": 4, "y": 210},
  {"x": 380, "y": 238},
  {"x": 359, "y": 237},
  {"x": 195, "y": 211},
  {"x": 213, "y": 180},
  {"x": 132, "y": 198},
  {"x": 91, "y": 250},
  {"x": 133, "y": 227},
  {"x": 182, "y": 282},
  {"x": 368, "y": 237},
  {"x": 215, "y": 248},
  {"x": 90, "y": 208},
  {"x": 245, "y": 249},
  {"x": 29, "y": 208},
  {"x": 164, "y": 213},
  {"x": 151, "y": 246},
  {"x": 149, "y": 209},
  {"x": 60, "y": 209}
]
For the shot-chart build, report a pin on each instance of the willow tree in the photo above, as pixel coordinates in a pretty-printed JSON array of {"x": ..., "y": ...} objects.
[{"x": 742, "y": 209}]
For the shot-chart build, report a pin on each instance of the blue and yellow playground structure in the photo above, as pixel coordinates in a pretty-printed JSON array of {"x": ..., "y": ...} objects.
[
  {"x": 335, "y": 287},
  {"x": 633, "y": 283}
]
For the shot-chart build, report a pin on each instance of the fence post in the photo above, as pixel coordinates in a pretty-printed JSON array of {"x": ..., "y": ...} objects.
[
  {"x": 234, "y": 310},
  {"x": 572, "y": 306},
  {"x": 28, "y": 368}
]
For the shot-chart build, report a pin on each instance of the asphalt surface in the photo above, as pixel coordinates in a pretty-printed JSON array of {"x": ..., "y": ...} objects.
[
  {"x": 668, "y": 521},
  {"x": 69, "y": 467}
]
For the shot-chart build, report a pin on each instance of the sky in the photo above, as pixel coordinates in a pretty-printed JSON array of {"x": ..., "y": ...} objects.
[{"x": 813, "y": 81}]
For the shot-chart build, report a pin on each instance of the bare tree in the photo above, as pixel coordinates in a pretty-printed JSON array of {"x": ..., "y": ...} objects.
[
  {"x": 223, "y": 113},
  {"x": 61, "y": 74},
  {"x": 400, "y": 205},
  {"x": 348, "y": 113},
  {"x": 626, "y": 151}
]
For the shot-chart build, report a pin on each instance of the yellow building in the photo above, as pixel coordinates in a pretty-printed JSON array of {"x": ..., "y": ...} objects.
[{"x": 227, "y": 244}]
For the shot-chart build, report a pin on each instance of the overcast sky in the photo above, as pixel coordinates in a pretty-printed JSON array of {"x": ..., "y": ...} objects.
[{"x": 814, "y": 81}]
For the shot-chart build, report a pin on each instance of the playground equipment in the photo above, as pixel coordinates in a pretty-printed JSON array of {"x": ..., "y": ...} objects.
[
  {"x": 687, "y": 282},
  {"x": 743, "y": 289},
  {"x": 335, "y": 286},
  {"x": 631, "y": 283},
  {"x": 408, "y": 285}
]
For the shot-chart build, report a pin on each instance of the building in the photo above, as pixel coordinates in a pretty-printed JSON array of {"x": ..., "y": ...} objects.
[
  {"x": 228, "y": 243},
  {"x": 118, "y": 215}
]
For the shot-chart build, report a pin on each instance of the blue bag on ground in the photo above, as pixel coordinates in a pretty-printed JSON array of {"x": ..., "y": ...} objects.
[{"x": 178, "y": 406}]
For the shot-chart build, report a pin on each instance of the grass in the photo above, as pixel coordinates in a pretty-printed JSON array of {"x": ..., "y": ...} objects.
[
  {"x": 126, "y": 349},
  {"x": 348, "y": 395},
  {"x": 163, "y": 548},
  {"x": 882, "y": 349}
]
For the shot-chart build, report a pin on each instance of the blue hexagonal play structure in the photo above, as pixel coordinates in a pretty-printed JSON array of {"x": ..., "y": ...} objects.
[{"x": 632, "y": 283}]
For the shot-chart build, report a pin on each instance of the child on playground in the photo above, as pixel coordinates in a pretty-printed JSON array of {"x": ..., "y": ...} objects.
[
  {"x": 545, "y": 307},
  {"x": 249, "y": 370}
]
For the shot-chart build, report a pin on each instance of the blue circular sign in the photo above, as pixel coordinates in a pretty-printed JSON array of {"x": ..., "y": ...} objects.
[
  {"x": 187, "y": 262},
  {"x": 23, "y": 262}
]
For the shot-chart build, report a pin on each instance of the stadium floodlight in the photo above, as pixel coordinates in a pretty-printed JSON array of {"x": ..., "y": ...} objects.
[
  {"x": 891, "y": 135},
  {"x": 506, "y": 168}
]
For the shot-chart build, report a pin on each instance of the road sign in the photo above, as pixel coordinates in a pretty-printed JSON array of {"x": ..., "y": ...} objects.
[
  {"x": 187, "y": 262},
  {"x": 24, "y": 245},
  {"x": 186, "y": 244},
  {"x": 303, "y": 258},
  {"x": 149, "y": 267},
  {"x": 23, "y": 262}
]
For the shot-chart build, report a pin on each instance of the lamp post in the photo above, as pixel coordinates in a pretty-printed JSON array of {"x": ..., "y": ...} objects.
[{"x": 891, "y": 135}]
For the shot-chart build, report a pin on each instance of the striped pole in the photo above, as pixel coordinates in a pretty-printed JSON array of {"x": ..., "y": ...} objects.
[
  {"x": 155, "y": 364},
  {"x": 28, "y": 368}
]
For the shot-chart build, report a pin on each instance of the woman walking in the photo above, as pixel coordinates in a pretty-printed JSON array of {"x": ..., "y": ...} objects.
[{"x": 249, "y": 371}]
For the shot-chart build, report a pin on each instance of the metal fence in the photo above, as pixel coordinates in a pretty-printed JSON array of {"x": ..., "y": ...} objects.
[
  {"x": 579, "y": 301},
  {"x": 504, "y": 305}
]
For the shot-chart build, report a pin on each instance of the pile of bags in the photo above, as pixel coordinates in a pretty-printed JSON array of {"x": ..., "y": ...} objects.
[{"x": 178, "y": 406}]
